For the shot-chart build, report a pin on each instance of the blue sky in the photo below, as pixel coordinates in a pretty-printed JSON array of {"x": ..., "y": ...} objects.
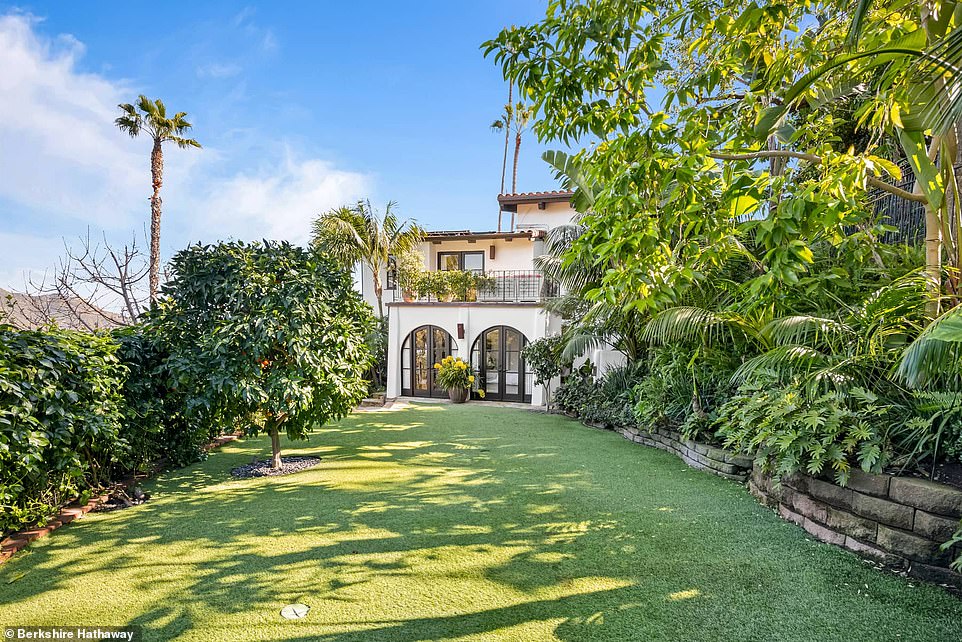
[{"x": 299, "y": 107}]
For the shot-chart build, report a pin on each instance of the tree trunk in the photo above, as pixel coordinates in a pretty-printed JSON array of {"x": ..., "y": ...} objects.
[
  {"x": 507, "y": 139},
  {"x": 157, "y": 178},
  {"x": 275, "y": 445},
  {"x": 507, "y": 134},
  {"x": 933, "y": 240},
  {"x": 378, "y": 292},
  {"x": 514, "y": 170}
]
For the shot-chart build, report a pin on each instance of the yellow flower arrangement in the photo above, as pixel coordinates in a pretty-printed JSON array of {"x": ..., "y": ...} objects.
[{"x": 454, "y": 372}]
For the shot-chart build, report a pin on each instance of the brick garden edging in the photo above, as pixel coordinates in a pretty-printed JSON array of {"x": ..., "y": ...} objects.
[
  {"x": 19, "y": 540},
  {"x": 697, "y": 455},
  {"x": 898, "y": 521}
]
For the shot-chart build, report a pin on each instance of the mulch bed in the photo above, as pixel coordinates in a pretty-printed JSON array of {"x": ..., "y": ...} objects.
[
  {"x": 262, "y": 468},
  {"x": 120, "y": 500}
]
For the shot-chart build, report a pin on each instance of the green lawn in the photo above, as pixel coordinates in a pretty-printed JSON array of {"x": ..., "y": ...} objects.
[{"x": 467, "y": 523}]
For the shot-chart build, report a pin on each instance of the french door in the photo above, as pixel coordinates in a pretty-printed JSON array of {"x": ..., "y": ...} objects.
[
  {"x": 496, "y": 356},
  {"x": 423, "y": 348}
]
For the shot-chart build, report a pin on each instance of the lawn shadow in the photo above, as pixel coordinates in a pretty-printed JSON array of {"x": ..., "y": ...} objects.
[{"x": 398, "y": 500}]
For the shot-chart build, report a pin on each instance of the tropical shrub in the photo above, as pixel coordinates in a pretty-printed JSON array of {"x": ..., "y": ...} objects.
[
  {"x": 544, "y": 358},
  {"x": 788, "y": 430},
  {"x": 60, "y": 419},
  {"x": 377, "y": 345},
  {"x": 683, "y": 388},
  {"x": 576, "y": 394},
  {"x": 266, "y": 332},
  {"x": 616, "y": 393},
  {"x": 454, "y": 373}
]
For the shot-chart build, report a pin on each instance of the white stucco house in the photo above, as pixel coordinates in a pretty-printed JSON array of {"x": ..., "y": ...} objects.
[{"x": 491, "y": 330}]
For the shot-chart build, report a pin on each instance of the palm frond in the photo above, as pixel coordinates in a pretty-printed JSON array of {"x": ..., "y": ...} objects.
[
  {"x": 579, "y": 341},
  {"x": 338, "y": 233},
  {"x": 781, "y": 362},
  {"x": 859, "y": 12},
  {"x": 937, "y": 88},
  {"x": 803, "y": 330},
  {"x": 690, "y": 323},
  {"x": 936, "y": 355},
  {"x": 570, "y": 173},
  {"x": 184, "y": 143}
]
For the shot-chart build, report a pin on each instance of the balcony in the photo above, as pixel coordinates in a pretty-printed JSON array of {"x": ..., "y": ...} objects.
[{"x": 492, "y": 286}]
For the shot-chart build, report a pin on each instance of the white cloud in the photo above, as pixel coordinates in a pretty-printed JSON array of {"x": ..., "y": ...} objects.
[
  {"x": 63, "y": 160},
  {"x": 59, "y": 149},
  {"x": 218, "y": 70},
  {"x": 273, "y": 202}
]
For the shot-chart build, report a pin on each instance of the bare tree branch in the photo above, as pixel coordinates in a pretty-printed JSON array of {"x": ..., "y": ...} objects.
[{"x": 94, "y": 285}]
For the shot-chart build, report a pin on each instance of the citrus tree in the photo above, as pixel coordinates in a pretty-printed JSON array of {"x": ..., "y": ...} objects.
[{"x": 268, "y": 334}]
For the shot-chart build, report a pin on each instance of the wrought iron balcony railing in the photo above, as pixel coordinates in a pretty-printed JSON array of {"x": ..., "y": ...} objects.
[{"x": 492, "y": 286}]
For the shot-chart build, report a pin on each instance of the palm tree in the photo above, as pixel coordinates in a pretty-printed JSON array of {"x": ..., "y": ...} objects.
[
  {"x": 359, "y": 234},
  {"x": 504, "y": 123},
  {"x": 515, "y": 118},
  {"x": 507, "y": 133},
  {"x": 150, "y": 116},
  {"x": 934, "y": 359}
]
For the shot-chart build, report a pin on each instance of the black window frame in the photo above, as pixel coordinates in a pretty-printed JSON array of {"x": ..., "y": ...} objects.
[{"x": 460, "y": 254}]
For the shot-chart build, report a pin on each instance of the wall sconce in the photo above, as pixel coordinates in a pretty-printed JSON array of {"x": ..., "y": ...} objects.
[
  {"x": 491, "y": 252},
  {"x": 460, "y": 330}
]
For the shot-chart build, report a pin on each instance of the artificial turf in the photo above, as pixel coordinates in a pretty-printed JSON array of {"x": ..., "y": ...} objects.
[{"x": 461, "y": 523}]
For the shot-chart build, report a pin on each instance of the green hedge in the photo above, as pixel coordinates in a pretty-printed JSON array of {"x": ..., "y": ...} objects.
[
  {"x": 78, "y": 411},
  {"x": 60, "y": 419}
]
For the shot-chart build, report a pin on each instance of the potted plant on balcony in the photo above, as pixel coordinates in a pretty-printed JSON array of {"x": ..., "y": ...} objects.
[
  {"x": 454, "y": 374},
  {"x": 442, "y": 284},
  {"x": 482, "y": 283},
  {"x": 410, "y": 274}
]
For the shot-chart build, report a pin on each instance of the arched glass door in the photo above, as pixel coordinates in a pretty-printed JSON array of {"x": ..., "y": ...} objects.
[
  {"x": 422, "y": 348},
  {"x": 496, "y": 357}
]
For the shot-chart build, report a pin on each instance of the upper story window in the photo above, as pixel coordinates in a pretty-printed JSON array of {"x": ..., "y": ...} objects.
[{"x": 468, "y": 261}]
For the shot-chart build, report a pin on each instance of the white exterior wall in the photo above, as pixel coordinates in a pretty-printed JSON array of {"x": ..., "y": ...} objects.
[
  {"x": 607, "y": 359},
  {"x": 364, "y": 283},
  {"x": 529, "y": 216},
  {"x": 516, "y": 254},
  {"x": 533, "y": 322}
]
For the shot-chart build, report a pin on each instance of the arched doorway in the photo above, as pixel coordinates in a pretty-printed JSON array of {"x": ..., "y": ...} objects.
[
  {"x": 496, "y": 357},
  {"x": 422, "y": 348}
]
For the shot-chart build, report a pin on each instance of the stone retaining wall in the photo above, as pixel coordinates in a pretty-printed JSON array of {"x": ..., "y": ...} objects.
[
  {"x": 899, "y": 521},
  {"x": 708, "y": 458}
]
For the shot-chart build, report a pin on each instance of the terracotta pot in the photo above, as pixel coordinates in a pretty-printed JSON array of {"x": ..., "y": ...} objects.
[{"x": 458, "y": 395}]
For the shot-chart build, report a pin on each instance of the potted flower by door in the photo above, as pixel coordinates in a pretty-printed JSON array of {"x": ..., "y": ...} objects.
[{"x": 454, "y": 374}]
